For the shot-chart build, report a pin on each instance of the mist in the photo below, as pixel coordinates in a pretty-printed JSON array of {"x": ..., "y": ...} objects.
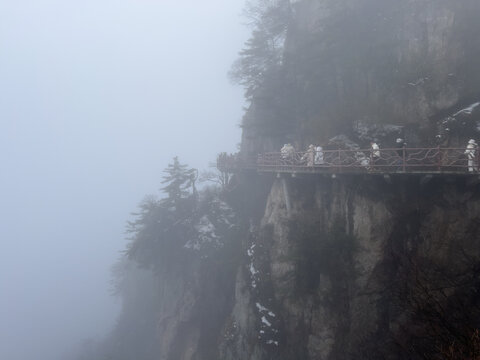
[{"x": 96, "y": 97}]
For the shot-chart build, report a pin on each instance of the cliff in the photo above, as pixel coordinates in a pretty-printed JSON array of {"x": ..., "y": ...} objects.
[
  {"x": 358, "y": 267},
  {"x": 356, "y": 67},
  {"x": 360, "y": 270}
]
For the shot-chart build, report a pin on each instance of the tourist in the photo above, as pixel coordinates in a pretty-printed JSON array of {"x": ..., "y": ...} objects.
[
  {"x": 309, "y": 155},
  {"x": 319, "y": 158},
  {"x": 375, "y": 154},
  {"x": 471, "y": 153}
]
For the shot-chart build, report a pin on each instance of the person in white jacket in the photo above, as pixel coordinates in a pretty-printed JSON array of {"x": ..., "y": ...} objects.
[
  {"x": 288, "y": 152},
  {"x": 471, "y": 153},
  {"x": 319, "y": 158},
  {"x": 375, "y": 150},
  {"x": 309, "y": 155},
  {"x": 374, "y": 155}
]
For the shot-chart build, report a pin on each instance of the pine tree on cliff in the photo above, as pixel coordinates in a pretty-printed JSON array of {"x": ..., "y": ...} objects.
[
  {"x": 263, "y": 52},
  {"x": 161, "y": 226},
  {"x": 179, "y": 180}
]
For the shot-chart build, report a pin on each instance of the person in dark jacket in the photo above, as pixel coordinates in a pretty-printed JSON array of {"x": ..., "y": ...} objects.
[
  {"x": 471, "y": 153},
  {"x": 400, "y": 146}
]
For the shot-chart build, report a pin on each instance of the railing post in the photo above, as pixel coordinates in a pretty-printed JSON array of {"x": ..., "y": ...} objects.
[
  {"x": 403, "y": 159},
  {"x": 439, "y": 158},
  {"x": 475, "y": 160}
]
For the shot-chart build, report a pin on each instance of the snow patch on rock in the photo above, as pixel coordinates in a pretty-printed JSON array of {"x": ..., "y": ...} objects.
[
  {"x": 206, "y": 234},
  {"x": 468, "y": 110},
  {"x": 251, "y": 267}
]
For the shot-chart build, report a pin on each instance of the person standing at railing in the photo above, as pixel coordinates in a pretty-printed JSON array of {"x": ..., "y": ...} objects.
[
  {"x": 288, "y": 152},
  {"x": 375, "y": 154},
  {"x": 319, "y": 158},
  {"x": 400, "y": 145},
  {"x": 309, "y": 156},
  {"x": 471, "y": 153}
]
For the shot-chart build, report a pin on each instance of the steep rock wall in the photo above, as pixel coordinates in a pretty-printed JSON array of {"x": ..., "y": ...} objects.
[
  {"x": 400, "y": 62},
  {"x": 355, "y": 63},
  {"x": 329, "y": 271}
]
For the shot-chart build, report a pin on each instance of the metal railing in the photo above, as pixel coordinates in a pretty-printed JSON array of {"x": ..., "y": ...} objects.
[{"x": 403, "y": 160}]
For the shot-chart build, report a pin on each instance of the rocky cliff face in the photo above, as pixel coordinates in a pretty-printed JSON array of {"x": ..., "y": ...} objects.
[
  {"x": 349, "y": 65},
  {"x": 360, "y": 267},
  {"x": 325, "y": 281},
  {"x": 353, "y": 268},
  {"x": 395, "y": 61}
]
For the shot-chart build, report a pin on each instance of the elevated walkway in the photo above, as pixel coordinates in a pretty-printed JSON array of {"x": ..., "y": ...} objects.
[{"x": 446, "y": 161}]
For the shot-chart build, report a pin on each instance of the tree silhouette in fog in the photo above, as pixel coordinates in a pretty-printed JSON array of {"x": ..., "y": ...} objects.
[{"x": 161, "y": 226}]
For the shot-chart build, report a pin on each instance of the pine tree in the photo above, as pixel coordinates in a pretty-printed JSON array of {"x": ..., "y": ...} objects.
[
  {"x": 178, "y": 179},
  {"x": 162, "y": 227},
  {"x": 263, "y": 52}
]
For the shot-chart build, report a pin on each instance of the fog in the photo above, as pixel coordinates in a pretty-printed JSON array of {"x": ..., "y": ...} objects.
[{"x": 96, "y": 97}]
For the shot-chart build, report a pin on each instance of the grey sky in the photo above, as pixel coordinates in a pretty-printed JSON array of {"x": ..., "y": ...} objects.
[{"x": 96, "y": 97}]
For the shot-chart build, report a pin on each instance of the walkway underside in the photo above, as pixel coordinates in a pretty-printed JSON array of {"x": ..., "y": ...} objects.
[{"x": 320, "y": 171}]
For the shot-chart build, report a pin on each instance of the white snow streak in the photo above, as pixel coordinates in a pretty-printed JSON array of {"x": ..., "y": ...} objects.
[
  {"x": 262, "y": 308},
  {"x": 251, "y": 267},
  {"x": 250, "y": 251},
  {"x": 468, "y": 110},
  {"x": 272, "y": 342},
  {"x": 266, "y": 322}
]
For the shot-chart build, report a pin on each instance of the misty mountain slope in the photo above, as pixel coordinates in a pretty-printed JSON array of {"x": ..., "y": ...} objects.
[{"x": 361, "y": 267}]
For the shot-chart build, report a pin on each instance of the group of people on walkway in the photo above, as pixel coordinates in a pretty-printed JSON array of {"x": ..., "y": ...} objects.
[
  {"x": 314, "y": 155},
  {"x": 471, "y": 152}
]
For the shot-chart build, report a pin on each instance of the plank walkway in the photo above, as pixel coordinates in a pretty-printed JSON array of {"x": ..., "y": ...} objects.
[{"x": 362, "y": 161}]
